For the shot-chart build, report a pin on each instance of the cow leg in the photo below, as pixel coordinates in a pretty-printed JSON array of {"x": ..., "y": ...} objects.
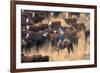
[
  {"x": 71, "y": 47},
  {"x": 68, "y": 50},
  {"x": 37, "y": 48},
  {"x": 38, "y": 43}
]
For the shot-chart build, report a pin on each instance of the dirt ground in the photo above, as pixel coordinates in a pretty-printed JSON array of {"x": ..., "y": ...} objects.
[{"x": 81, "y": 51}]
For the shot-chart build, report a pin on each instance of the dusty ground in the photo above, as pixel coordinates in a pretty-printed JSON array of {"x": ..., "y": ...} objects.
[{"x": 81, "y": 51}]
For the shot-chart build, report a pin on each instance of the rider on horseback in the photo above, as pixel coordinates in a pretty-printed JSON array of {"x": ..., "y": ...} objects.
[{"x": 60, "y": 38}]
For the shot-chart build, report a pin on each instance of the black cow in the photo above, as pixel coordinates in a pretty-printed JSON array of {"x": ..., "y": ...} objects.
[
  {"x": 74, "y": 13},
  {"x": 35, "y": 40},
  {"x": 35, "y": 58},
  {"x": 56, "y": 25},
  {"x": 38, "y": 27},
  {"x": 78, "y": 26},
  {"x": 70, "y": 20}
]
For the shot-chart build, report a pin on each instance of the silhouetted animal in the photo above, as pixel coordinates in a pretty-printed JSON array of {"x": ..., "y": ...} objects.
[
  {"x": 35, "y": 58},
  {"x": 74, "y": 13},
  {"x": 35, "y": 40}
]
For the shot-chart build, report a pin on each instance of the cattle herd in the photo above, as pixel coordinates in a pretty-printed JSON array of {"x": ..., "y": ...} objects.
[{"x": 38, "y": 36}]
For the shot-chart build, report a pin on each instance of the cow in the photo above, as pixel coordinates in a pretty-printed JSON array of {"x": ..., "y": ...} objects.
[
  {"x": 70, "y": 20},
  {"x": 36, "y": 39},
  {"x": 39, "y": 16},
  {"x": 74, "y": 13},
  {"x": 35, "y": 58},
  {"x": 79, "y": 26},
  {"x": 26, "y": 18},
  {"x": 38, "y": 27},
  {"x": 55, "y": 25}
]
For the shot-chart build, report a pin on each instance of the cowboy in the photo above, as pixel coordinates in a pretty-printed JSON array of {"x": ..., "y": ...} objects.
[{"x": 60, "y": 38}]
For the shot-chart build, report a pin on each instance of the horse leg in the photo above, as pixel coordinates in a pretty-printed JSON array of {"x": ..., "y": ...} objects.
[{"x": 59, "y": 46}]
